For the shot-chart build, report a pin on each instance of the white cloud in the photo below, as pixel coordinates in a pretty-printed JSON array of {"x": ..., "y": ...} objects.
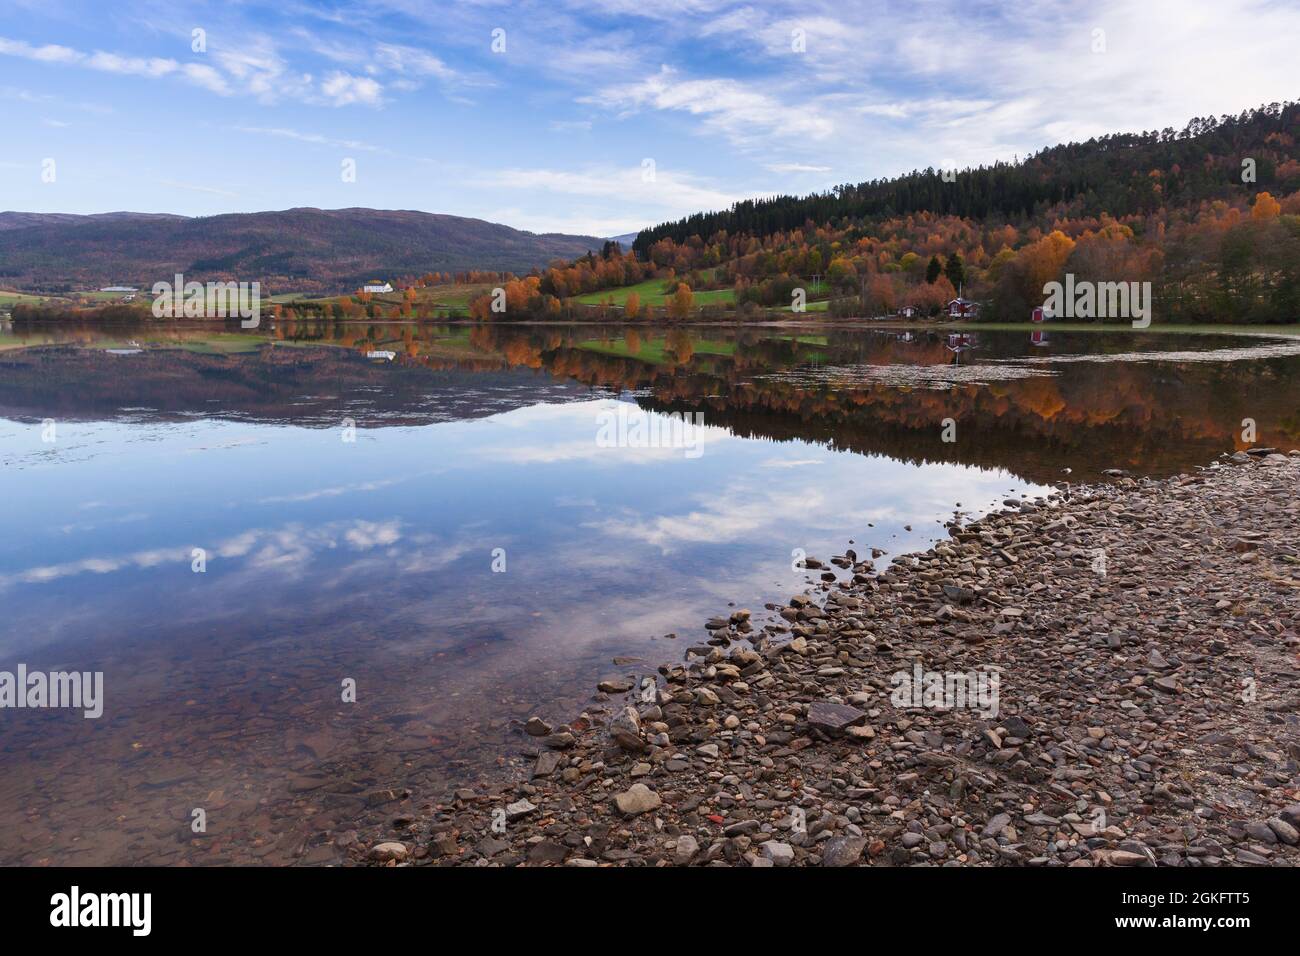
[
  {"x": 605, "y": 200},
  {"x": 343, "y": 89},
  {"x": 49, "y": 53},
  {"x": 669, "y": 189},
  {"x": 316, "y": 138},
  {"x": 797, "y": 168},
  {"x": 255, "y": 69},
  {"x": 193, "y": 187},
  {"x": 742, "y": 112},
  {"x": 407, "y": 59}
]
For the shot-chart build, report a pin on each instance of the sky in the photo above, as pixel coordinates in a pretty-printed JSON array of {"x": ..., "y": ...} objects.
[{"x": 596, "y": 118}]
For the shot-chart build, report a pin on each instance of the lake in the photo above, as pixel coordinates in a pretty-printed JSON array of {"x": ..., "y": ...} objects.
[{"x": 315, "y": 577}]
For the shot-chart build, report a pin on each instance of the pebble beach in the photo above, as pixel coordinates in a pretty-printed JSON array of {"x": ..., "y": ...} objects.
[{"x": 1139, "y": 641}]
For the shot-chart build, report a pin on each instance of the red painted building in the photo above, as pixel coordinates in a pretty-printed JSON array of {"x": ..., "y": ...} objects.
[{"x": 963, "y": 309}]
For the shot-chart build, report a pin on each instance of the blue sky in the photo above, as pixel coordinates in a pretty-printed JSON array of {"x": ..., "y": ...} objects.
[{"x": 552, "y": 133}]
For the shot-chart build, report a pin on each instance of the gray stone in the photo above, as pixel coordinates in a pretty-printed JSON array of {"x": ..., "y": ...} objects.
[
  {"x": 781, "y": 854},
  {"x": 843, "y": 850},
  {"x": 825, "y": 715},
  {"x": 637, "y": 799}
]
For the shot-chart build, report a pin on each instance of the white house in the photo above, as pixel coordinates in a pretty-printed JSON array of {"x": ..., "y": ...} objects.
[
  {"x": 377, "y": 287},
  {"x": 117, "y": 288}
]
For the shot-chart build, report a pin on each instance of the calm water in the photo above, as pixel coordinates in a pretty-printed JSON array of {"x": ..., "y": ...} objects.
[{"x": 447, "y": 531}]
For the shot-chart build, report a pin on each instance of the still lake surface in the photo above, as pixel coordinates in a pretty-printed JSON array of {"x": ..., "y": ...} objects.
[{"x": 447, "y": 530}]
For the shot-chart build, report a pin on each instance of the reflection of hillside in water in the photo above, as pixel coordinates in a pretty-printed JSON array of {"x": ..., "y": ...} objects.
[
  {"x": 1148, "y": 416},
  {"x": 310, "y": 387},
  {"x": 1151, "y": 417}
]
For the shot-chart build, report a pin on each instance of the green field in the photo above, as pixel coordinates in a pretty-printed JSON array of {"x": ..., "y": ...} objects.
[
  {"x": 427, "y": 300},
  {"x": 813, "y": 305},
  {"x": 654, "y": 349},
  {"x": 10, "y": 299},
  {"x": 651, "y": 293}
]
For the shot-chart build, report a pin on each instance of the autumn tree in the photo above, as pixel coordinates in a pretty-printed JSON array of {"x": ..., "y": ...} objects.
[
  {"x": 678, "y": 344},
  {"x": 1266, "y": 207},
  {"x": 1021, "y": 280},
  {"x": 882, "y": 297},
  {"x": 679, "y": 306},
  {"x": 632, "y": 307},
  {"x": 930, "y": 298}
]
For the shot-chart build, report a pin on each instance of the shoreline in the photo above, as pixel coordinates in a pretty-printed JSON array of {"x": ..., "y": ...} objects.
[
  {"x": 1146, "y": 712},
  {"x": 807, "y": 321}
]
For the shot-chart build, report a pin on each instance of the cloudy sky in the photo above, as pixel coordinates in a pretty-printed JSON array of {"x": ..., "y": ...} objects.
[{"x": 548, "y": 115}]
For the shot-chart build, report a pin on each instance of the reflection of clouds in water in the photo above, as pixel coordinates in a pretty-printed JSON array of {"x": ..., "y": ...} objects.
[
  {"x": 577, "y": 417},
  {"x": 371, "y": 534},
  {"x": 333, "y": 492},
  {"x": 844, "y": 497},
  {"x": 717, "y": 519},
  {"x": 288, "y": 548},
  {"x": 570, "y": 501},
  {"x": 796, "y": 463},
  {"x": 81, "y": 526}
]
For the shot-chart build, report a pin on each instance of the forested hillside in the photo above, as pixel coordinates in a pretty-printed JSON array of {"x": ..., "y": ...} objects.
[{"x": 1210, "y": 215}]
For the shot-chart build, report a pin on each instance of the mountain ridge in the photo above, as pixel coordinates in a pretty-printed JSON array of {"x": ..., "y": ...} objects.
[{"x": 302, "y": 249}]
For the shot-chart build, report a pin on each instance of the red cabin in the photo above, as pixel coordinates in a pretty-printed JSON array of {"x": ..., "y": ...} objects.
[{"x": 963, "y": 309}]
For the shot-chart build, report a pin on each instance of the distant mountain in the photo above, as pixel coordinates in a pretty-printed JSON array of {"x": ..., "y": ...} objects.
[
  {"x": 21, "y": 220},
  {"x": 625, "y": 240},
  {"x": 302, "y": 250}
]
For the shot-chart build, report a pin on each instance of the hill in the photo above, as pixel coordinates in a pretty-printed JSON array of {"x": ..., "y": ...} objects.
[
  {"x": 1204, "y": 222},
  {"x": 1119, "y": 175},
  {"x": 304, "y": 249}
]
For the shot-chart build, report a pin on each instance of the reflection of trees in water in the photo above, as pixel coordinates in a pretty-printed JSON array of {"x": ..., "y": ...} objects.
[
  {"x": 1152, "y": 417},
  {"x": 1158, "y": 417}
]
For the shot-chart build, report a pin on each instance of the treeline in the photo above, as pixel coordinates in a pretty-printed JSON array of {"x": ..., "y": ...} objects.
[
  {"x": 1111, "y": 174},
  {"x": 23, "y": 313}
]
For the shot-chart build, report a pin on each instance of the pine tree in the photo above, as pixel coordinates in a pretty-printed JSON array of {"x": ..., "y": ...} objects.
[
  {"x": 955, "y": 270},
  {"x": 933, "y": 270}
]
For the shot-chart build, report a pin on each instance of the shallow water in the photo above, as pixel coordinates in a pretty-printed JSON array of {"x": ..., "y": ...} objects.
[{"x": 450, "y": 532}]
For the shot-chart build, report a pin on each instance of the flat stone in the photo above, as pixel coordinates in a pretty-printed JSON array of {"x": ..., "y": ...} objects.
[
  {"x": 388, "y": 851},
  {"x": 547, "y": 851},
  {"x": 825, "y": 715},
  {"x": 520, "y": 808},
  {"x": 637, "y": 799},
  {"x": 547, "y": 761},
  {"x": 996, "y": 825}
]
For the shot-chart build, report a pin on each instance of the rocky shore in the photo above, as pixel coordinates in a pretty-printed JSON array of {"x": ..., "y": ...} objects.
[{"x": 1106, "y": 677}]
